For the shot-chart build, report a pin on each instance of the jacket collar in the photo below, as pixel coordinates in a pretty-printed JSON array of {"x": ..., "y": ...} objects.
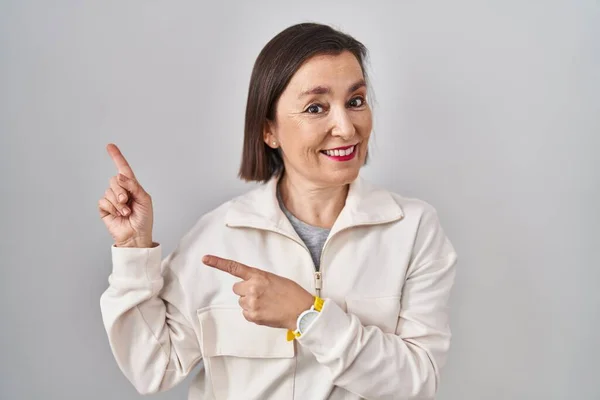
[{"x": 366, "y": 204}]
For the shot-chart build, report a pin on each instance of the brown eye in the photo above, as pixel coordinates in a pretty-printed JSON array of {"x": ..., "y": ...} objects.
[
  {"x": 313, "y": 109},
  {"x": 357, "y": 102}
]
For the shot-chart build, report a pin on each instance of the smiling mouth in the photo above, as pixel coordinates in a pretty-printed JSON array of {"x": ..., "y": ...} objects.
[{"x": 342, "y": 152}]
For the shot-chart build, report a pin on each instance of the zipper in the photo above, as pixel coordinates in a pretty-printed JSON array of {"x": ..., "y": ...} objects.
[
  {"x": 316, "y": 273},
  {"x": 318, "y": 283},
  {"x": 319, "y": 274},
  {"x": 318, "y": 277}
]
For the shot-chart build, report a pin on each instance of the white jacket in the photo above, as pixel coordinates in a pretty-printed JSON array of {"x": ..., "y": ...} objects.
[{"x": 387, "y": 270}]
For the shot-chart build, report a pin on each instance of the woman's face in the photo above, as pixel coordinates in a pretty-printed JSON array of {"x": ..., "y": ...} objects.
[{"x": 323, "y": 121}]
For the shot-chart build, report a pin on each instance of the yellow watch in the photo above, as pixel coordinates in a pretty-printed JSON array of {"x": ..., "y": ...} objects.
[{"x": 305, "y": 319}]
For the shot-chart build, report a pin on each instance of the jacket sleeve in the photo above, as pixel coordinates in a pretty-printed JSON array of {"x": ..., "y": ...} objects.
[
  {"x": 152, "y": 341},
  {"x": 401, "y": 365}
]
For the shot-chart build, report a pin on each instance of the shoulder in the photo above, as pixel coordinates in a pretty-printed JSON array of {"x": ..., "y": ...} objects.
[
  {"x": 420, "y": 218},
  {"x": 412, "y": 207},
  {"x": 430, "y": 239},
  {"x": 213, "y": 222}
]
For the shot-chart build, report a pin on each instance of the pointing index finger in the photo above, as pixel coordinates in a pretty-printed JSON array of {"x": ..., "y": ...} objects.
[
  {"x": 231, "y": 267},
  {"x": 120, "y": 161}
]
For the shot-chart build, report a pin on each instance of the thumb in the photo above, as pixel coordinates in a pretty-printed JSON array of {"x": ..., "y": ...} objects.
[{"x": 132, "y": 185}]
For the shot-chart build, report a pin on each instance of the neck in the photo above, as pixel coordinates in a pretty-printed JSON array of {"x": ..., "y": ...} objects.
[{"x": 311, "y": 203}]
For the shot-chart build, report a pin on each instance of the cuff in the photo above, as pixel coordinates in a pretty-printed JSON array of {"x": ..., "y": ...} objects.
[
  {"x": 137, "y": 263},
  {"x": 327, "y": 331}
]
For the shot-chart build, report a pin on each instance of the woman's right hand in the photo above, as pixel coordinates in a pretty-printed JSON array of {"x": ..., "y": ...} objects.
[{"x": 126, "y": 207}]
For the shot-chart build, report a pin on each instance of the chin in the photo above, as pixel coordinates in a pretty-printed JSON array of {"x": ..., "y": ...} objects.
[{"x": 341, "y": 177}]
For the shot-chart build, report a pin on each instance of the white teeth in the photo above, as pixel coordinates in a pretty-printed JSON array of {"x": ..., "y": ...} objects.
[{"x": 340, "y": 153}]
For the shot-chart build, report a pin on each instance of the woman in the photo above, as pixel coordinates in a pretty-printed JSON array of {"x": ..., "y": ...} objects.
[{"x": 316, "y": 285}]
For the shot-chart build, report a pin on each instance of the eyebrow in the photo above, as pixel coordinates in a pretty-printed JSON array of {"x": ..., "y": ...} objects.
[{"x": 325, "y": 89}]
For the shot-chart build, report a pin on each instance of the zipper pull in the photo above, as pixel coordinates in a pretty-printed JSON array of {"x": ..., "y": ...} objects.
[{"x": 318, "y": 283}]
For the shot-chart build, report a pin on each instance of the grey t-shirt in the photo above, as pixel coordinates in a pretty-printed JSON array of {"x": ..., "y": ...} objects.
[{"x": 313, "y": 236}]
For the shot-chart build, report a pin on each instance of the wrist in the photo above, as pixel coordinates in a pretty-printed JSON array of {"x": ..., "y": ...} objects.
[
  {"x": 141, "y": 243},
  {"x": 306, "y": 319},
  {"x": 304, "y": 304}
]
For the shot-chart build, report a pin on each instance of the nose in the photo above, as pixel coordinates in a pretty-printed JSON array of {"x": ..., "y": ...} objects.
[{"x": 342, "y": 125}]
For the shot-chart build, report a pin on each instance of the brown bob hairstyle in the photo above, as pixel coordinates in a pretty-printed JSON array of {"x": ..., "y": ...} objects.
[{"x": 278, "y": 61}]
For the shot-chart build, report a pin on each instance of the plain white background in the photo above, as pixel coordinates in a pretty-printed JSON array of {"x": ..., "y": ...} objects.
[{"x": 487, "y": 110}]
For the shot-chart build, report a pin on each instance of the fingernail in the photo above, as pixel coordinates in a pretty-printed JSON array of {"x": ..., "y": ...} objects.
[
  {"x": 122, "y": 177},
  {"x": 125, "y": 211},
  {"x": 122, "y": 198}
]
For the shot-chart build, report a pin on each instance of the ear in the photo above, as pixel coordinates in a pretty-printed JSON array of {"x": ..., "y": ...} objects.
[{"x": 269, "y": 135}]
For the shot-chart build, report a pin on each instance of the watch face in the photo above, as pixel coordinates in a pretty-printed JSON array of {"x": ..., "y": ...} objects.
[{"x": 307, "y": 319}]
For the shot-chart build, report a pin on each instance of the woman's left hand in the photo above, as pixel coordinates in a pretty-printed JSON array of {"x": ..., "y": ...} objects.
[{"x": 266, "y": 298}]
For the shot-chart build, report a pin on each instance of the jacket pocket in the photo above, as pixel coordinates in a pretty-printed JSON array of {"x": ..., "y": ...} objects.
[
  {"x": 245, "y": 360},
  {"x": 382, "y": 312}
]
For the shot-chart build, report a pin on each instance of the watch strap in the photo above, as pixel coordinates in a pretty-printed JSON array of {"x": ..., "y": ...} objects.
[{"x": 317, "y": 306}]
